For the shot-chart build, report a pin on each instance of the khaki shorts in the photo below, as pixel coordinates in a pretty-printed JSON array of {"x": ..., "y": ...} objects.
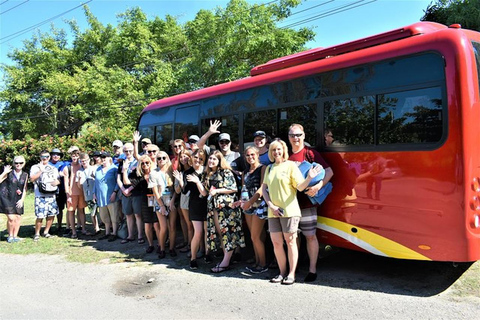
[
  {"x": 284, "y": 225},
  {"x": 78, "y": 202}
]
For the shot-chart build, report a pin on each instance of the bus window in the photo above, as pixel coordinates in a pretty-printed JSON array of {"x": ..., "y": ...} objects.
[
  {"x": 146, "y": 132},
  {"x": 351, "y": 120},
  {"x": 410, "y": 116},
  {"x": 230, "y": 125},
  {"x": 304, "y": 114},
  {"x": 186, "y": 122},
  {"x": 260, "y": 120},
  {"x": 476, "y": 50},
  {"x": 163, "y": 135}
]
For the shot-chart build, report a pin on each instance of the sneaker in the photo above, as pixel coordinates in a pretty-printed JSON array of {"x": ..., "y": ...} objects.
[
  {"x": 258, "y": 269},
  {"x": 104, "y": 237},
  {"x": 310, "y": 277},
  {"x": 17, "y": 240},
  {"x": 112, "y": 238},
  {"x": 10, "y": 239},
  {"x": 193, "y": 264},
  {"x": 162, "y": 254},
  {"x": 36, "y": 237},
  {"x": 250, "y": 268}
]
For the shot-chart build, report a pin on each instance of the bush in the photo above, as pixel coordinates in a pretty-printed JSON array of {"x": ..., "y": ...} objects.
[{"x": 90, "y": 139}]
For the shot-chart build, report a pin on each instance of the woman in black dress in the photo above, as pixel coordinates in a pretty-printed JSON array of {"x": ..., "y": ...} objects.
[{"x": 13, "y": 189}]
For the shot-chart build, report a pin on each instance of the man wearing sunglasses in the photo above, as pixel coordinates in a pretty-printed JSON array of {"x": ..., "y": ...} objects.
[
  {"x": 56, "y": 161},
  {"x": 308, "y": 222},
  {"x": 45, "y": 202}
]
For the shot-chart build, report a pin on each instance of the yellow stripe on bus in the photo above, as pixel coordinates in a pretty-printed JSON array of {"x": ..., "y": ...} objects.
[{"x": 367, "y": 240}]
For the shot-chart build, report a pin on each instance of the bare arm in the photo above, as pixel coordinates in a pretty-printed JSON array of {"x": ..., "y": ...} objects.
[{"x": 212, "y": 130}]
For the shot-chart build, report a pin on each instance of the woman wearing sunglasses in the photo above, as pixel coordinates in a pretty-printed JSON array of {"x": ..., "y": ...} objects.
[
  {"x": 191, "y": 181},
  {"x": 162, "y": 186},
  {"x": 13, "y": 189},
  {"x": 138, "y": 180}
]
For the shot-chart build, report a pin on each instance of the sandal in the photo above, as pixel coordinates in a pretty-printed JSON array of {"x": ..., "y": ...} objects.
[
  {"x": 74, "y": 236},
  {"x": 277, "y": 279},
  {"x": 86, "y": 233},
  {"x": 126, "y": 241},
  {"x": 36, "y": 238},
  {"x": 181, "y": 245},
  {"x": 185, "y": 249},
  {"x": 140, "y": 241},
  {"x": 47, "y": 235},
  {"x": 288, "y": 280},
  {"x": 218, "y": 269}
]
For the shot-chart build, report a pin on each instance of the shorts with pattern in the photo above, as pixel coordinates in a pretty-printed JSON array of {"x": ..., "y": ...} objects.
[
  {"x": 308, "y": 221},
  {"x": 45, "y": 207},
  {"x": 261, "y": 211},
  {"x": 184, "y": 201}
]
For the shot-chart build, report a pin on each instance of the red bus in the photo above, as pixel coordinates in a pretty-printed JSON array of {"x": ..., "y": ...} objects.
[{"x": 398, "y": 110}]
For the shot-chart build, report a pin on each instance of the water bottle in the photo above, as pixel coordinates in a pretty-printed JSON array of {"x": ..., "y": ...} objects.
[
  {"x": 244, "y": 194},
  {"x": 166, "y": 196}
]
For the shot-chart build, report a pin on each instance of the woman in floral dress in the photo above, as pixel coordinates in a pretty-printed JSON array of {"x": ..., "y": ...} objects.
[{"x": 221, "y": 187}]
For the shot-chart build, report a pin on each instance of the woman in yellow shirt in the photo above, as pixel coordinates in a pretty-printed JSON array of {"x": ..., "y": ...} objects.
[{"x": 280, "y": 184}]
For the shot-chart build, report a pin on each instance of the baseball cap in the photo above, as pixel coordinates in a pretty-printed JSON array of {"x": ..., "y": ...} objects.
[
  {"x": 105, "y": 154},
  {"x": 73, "y": 149},
  {"x": 117, "y": 143},
  {"x": 193, "y": 138},
  {"x": 260, "y": 134},
  {"x": 146, "y": 140},
  {"x": 96, "y": 154},
  {"x": 224, "y": 136},
  {"x": 57, "y": 151}
]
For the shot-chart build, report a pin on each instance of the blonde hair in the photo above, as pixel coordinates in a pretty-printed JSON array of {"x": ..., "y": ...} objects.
[
  {"x": 189, "y": 154},
  {"x": 273, "y": 146},
  {"x": 254, "y": 149},
  {"x": 201, "y": 153},
  {"x": 19, "y": 159},
  {"x": 299, "y": 126},
  {"x": 144, "y": 158}
]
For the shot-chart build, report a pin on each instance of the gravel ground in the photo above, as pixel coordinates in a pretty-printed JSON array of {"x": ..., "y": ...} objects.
[{"x": 351, "y": 285}]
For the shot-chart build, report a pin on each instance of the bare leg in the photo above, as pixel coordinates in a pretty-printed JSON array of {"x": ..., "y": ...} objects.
[
  {"x": 312, "y": 249},
  {"x": 38, "y": 226},
  {"x": 290, "y": 239},
  {"x": 197, "y": 238},
  {"x": 149, "y": 233},
  {"x": 139, "y": 222},
  {"x": 162, "y": 234},
  {"x": 71, "y": 219},
  {"x": 256, "y": 231},
  {"x": 48, "y": 224},
  {"x": 277, "y": 240},
  {"x": 172, "y": 228},
  {"x": 130, "y": 225}
]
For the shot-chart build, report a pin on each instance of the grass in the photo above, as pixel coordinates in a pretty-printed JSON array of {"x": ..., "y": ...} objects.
[{"x": 72, "y": 250}]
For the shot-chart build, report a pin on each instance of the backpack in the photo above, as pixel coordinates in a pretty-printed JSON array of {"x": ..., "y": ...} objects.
[{"x": 45, "y": 180}]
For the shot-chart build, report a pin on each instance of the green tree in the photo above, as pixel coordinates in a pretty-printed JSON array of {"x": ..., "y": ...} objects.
[
  {"x": 109, "y": 73},
  {"x": 464, "y": 12}
]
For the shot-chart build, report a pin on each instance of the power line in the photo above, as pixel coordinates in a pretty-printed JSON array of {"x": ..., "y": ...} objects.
[
  {"x": 18, "y": 5},
  {"x": 19, "y": 33},
  {"x": 318, "y": 16},
  {"x": 3, "y": 2}
]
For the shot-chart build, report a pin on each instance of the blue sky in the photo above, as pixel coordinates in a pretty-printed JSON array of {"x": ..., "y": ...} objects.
[{"x": 367, "y": 18}]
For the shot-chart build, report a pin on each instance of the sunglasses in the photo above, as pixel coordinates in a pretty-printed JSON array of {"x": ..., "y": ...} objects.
[
  {"x": 161, "y": 158},
  {"x": 224, "y": 142},
  {"x": 127, "y": 150},
  {"x": 44, "y": 157},
  {"x": 177, "y": 146},
  {"x": 295, "y": 135},
  {"x": 18, "y": 162},
  {"x": 152, "y": 151},
  {"x": 145, "y": 163},
  {"x": 192, "y": 141}
]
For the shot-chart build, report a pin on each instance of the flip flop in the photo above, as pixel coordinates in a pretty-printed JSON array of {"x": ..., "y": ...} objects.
[
  {"x": 140, "y": 241},
  {"x": 126, "y": 241},
  {"x": 218, "y": 269}
]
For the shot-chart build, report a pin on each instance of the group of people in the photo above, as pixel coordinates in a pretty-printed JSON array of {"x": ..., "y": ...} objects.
[{"x": 210, "y": 190}]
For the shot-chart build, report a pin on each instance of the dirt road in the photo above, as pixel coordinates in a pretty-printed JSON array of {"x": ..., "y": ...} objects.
[{"x": 350, "y": 286}]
